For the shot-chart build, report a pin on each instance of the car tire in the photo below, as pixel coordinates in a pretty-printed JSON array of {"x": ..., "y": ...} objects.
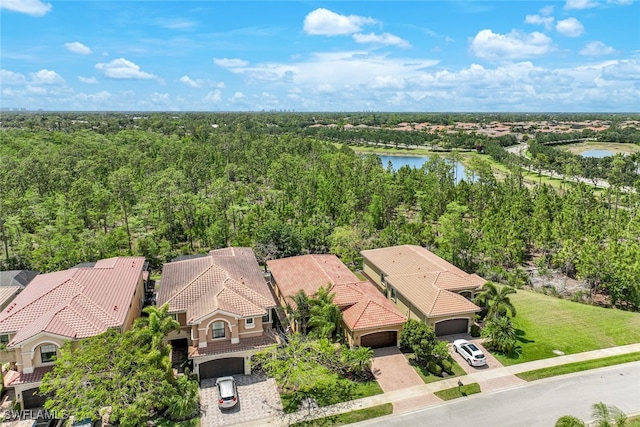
[
  {"x": 455, "y": 348},
  {"x": 469, "y": 362}
]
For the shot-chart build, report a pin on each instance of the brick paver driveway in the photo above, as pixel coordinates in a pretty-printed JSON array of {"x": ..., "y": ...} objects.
[
  {"x": 392, "y": 370},
  {"x": 258, "y": 399}
]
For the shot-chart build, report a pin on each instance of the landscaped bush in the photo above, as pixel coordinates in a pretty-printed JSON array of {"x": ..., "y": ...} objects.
[
  {"x": 447, "y": 367},
  {"x": 434, "y": 368},
  {"x": 475, "y": 331}
]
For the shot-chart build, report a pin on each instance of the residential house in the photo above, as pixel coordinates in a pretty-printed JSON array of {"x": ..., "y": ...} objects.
[
  {"x": 368, "y": 318},
  {"x": 423, "y": 286},
  {"x": 224, "y": 307},
  {"x": 66, "y": 306},
  {"x": 12, "y": 282}
]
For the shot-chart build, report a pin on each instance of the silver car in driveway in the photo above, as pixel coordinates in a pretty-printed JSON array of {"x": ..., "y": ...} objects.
[
  {"x": 227, "y": 392},
  {"x": 470, "y": 352}
]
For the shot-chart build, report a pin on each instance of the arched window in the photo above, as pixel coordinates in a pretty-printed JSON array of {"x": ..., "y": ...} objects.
[
  {"x": 218, "y": 330},
  {"x": 47, "y": 353}
]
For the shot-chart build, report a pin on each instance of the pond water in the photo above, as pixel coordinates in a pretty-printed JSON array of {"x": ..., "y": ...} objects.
[
  {"x": 416, "y": 162},
  {"x": 597, "y": 152}
]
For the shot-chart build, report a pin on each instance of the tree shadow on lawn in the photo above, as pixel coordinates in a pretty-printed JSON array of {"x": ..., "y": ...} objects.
[{"x": 520, "y": 337}]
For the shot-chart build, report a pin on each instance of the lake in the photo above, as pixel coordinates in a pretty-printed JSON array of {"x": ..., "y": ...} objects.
[
  {"x": 416, "y": 162},
  {"x": 596, "y": 152}
]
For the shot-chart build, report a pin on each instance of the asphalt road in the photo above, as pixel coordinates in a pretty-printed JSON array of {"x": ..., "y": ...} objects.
[{"x": 538, "y": 403}]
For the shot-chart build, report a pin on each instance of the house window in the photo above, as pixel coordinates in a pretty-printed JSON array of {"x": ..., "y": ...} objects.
[
  {"x": 248, "y": 323},
  {"x": 4, "y": 339},
  {"x": 267, "y": 317},
  {"x": 383, "y": 282},
  {"x": 47, "y": 353},
  {"x": 392, "y": 294},
  {"x": 218, "y": 329}
]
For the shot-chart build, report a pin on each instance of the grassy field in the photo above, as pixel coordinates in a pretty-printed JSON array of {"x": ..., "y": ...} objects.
[
  {"x": 578, "y": 366},
  {"x": 456, "y": 392},
  {"x": 349, "y": 417},
  {"x": 546, "y": 323},
  {"x": 343, "y": 391}
]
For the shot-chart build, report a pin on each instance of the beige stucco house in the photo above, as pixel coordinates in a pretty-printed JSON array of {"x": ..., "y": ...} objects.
[
  {"x": 368, "y": 318},
  {"x": 423, "y": 286},
  {"x": 66, "y": 306},
  {"x": 225, "y": 309}
]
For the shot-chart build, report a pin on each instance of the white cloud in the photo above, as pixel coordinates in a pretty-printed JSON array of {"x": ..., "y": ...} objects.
[
  {"x": 95, "y": 97},
  {"x": 580, "y": 4},
  {"x": 200, "y": 83},
  {"x": 622, "y": 2},
  {"x": 230, "y": 63},
  {"x": 88, "y": 80},
  {"x": 622, "y": 70},
  {"x": 46, "y": 77},
  {"x": 237, "y": 96},
  {"x": 77, "y": 47},
  {"x": 213, "y": 97},
  {"x": 384, "y": 38},
  {"x": 596, "y": 48},
  {"x": 123, "y": 69},
  {"x": 547, "y": 10},
  {"x": 547, "y": 21},
  {"x": 514, "y": 45},
  {"x": 176, "y": 24},
  {"x": 30, "y": 7},
  {"x": 323, "y": 22},
  {"x": 570, "y": 27},
  {"x": 12, "y": 78}
]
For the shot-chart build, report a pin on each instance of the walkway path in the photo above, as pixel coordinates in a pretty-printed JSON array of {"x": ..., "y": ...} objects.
[{"x": 425, "y": 391}]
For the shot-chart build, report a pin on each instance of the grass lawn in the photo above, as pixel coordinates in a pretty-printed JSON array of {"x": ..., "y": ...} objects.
[
  {"x": 456, "y": 392},
  {"x": 427, "y": 376},
  {"x": 578, "y": 366},
  {"x": 545, "y": 323},
  {"x": 633, "y": 422},
  {"x": 161, "y": 422},
  {"x": 343, "y": 390},
  {"x": 349, "y": 417}
]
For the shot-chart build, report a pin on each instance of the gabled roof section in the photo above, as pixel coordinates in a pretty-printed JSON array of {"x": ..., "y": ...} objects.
[
  {"x": 75, "y": 303},
  {"x": 426, "y": 280},
  {"x": 228, "y": 280},
  {"x": 362, "y": 305},
  {"x": 19, "y": 278}
]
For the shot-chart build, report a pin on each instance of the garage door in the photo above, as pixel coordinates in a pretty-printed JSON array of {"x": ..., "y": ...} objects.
[
  {"x": 453, "y": 326},
  {"x": 221, "y": 367},
  {"x": 380, "y": 339},
  {"x": 32, "y": 399}
]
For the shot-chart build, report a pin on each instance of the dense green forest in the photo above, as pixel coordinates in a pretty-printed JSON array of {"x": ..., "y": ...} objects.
[{"x": 81, "y": 187}]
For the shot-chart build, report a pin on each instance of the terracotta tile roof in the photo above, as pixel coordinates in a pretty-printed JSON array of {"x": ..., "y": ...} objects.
[
  {"x": 227, "y": 279},
  {"x": 223, "y": 347},
  {"x": 74, "y": 303},
  {"x": 363, "y": 306},
  {"x": 15, "y": 378},
  {"x": 425, "y": 279}
]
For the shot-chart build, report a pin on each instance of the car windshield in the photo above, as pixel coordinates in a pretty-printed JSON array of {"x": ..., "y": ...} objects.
[{"x": 226, "y": 390}]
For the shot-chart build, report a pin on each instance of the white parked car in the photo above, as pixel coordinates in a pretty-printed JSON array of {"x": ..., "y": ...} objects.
[
  {"x": 470, "y": 352},
  {"x": 227, "y": 392}
]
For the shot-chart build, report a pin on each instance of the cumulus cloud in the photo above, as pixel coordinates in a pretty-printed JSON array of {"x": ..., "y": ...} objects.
[
  {"x": 213, "y": 97},
  {"x": 30, "y": 7},
  {"x": 46, "y": 77},
  {"x": 514, "y": 45},
  {"x": 596, "y": 48},
  {"x": 77, "y": 47},
  {"x": 229, "y": 62},
  {"x": 580, "y": 4},
  {"x": 547, "y": 21},
  {"x": 200, "y": 83},
  {"x": 323, "y": 22},
  {"x": 12, "y": 78},
  {"x": 384, "y": 39},
  {"x": 570, "y": 27},
  {"x": 622, "y": 70},
  {"x": 88, "y": 80},
  {"x": 123, "y": 69}
]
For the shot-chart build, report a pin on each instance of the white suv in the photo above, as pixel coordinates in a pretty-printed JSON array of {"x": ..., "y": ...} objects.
[{"x": 469, "y": 352}]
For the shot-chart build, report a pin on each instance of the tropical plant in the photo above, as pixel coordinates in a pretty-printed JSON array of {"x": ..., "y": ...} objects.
[
  {"x": 569, "y": 421},
  {"x": 501, "y": 334},
  {"x": 299, "y": 311},
  {"x": 608, "y": 416},
  {"x": 185, "y": 402},
  {"x": 324, "y": 315},
  {"x": 495, "y": 299},
  {"x": 419, "y": 338}
]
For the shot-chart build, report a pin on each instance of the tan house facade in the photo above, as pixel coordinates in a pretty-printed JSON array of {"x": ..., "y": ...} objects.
[
  {"x": 368, "y": 318},
  {"x": 66, "y": 306},
  {"x": 425, "y": 287},
  {"x": 224, "y": 307}
]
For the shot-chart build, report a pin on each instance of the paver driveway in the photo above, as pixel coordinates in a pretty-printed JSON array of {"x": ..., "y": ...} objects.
[
  {"x": 258, "y": 399},
  {"x": 392, "y": 370}
]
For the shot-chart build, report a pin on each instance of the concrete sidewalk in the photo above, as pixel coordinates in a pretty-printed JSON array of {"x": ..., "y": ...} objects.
[{"x": 427, "y": 390}]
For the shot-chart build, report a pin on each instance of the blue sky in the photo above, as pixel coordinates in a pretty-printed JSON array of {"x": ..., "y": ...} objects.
[{"x": 573, "y": 55}]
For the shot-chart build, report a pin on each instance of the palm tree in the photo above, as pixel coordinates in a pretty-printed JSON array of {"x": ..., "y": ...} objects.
[
  {"x": 496, "y": 299},
  {"x": 324, "y": 315},
  {"x": 299, "y": 310},
  {"x": 608, "y": 416},
  {"x": 501, "y": 333}
]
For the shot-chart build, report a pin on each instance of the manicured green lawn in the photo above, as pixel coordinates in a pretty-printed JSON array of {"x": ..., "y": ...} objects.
[
  {"x": 349, "y": 417},
  {"x": 456, "y": 392},
  {"x": 161, "y": 422},
  {"x": 342, "y": 391},
  {"x": 578, "y": 366},
  {"x": 545, "y": 323},
  {"x": 633, "y": 422},
  {"x": 427, "y": 376}
]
